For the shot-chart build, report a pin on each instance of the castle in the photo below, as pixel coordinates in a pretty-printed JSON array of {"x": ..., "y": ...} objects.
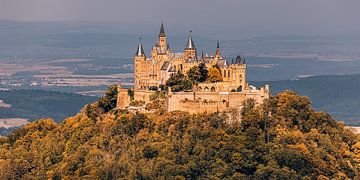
[{"x": 227, "y": 94}]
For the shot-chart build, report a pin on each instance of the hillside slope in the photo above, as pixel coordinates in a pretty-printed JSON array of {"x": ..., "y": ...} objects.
[
  {"x": 104, "y": 143},
  {"x": 335, "y": 94}
]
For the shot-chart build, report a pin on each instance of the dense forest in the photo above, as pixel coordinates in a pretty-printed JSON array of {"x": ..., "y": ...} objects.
[
  {"x": 285, "y": 138},
  {"x": 334, "y": 94},
  {"x": 34, "y": 104}
]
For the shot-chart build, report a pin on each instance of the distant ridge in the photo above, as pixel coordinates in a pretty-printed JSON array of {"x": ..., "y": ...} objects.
[{"x": 334, "y": 94}]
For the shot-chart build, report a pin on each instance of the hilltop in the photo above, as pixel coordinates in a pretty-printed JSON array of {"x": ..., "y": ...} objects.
[{"x": 285, "y": 139}]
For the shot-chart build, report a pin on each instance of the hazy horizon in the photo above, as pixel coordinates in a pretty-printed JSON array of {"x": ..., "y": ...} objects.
[{"x": 224, "y": 19}]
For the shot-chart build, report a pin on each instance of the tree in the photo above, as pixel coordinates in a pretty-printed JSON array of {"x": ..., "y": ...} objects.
[
  {"x": 198, "y": 73},
  {"x": 178, "y": 82},
  {"x": 108, "y": 101},
  {"x": 203, "y": 72},
  {"x": 194, "y": 74},
  {"x": 214, "y": 75}
]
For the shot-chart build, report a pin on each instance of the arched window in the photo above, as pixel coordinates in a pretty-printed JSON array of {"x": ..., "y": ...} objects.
[
  {"x": 224, "y": 73},
  {"x": 206, "y": 89},
  {"x": 212, "y": 89},
  {"x": 229, "y": 73}
]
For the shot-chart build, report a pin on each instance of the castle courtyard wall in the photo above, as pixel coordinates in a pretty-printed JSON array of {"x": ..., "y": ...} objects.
[{"x": 198, "y": 102}]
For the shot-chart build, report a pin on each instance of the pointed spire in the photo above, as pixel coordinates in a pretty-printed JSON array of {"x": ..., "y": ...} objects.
[
  {"x": 238, "y": 60},
  {"x": 162, "y": 30},
  {"x": 217, "y": 54},
  {"x": 140, "y": 49},
  {"x": 190, "y": 43}
]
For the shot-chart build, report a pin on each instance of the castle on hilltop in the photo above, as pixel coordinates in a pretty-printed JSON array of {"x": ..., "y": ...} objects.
[{"x": 226, "y": 94}]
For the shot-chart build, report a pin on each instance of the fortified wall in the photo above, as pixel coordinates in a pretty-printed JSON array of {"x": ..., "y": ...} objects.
[{"x": 199, "y": 102}]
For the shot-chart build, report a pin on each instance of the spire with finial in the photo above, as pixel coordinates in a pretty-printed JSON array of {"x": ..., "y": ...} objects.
[
  {"x": 140, "y": 49},
  {"x": 162, "y": 30},
  {"x": 190, "y": 43},
  {"x": 217, "y": 54},
  {"x": 238, "y": 60}
]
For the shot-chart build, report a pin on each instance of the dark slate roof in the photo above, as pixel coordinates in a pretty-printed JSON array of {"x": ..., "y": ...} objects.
[
  {"x": 172, "y": 69},
  {"x": 238, "y": 60},
  {"x": 190, "y": 43},
  {"x": 165, "y": 66},
  {"x": 162, "y": 31},
  {"x": 140, "y": 50}
]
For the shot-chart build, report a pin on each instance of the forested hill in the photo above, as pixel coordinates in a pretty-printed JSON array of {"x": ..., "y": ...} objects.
[
  {"x": 334, "y": 94},
  {"x": 284, "y": 139}
]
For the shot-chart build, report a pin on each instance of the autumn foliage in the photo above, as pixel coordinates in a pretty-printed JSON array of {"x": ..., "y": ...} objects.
[{"x": 284, "y": 139}]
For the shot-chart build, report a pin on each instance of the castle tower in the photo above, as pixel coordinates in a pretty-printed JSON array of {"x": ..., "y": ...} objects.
[
  {"x": 139, "y": 61},
  {"x": 123, "y": 99},
  {"x": 240, "y": 73},
  {"x": 190, "y": 49},
  {"x": 162, "y": 36}
]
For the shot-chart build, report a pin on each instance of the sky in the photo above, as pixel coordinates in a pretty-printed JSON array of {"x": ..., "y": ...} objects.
[{"x": 226, "y": 18}]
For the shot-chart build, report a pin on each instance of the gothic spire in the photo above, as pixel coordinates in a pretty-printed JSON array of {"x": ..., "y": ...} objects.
[
  {"x": 190, "y": 43},
  {"x": 238, "y": 60},
  {"x": 217, "y": 54},
  {"x": 140, "y": 49},
  {"x": 162, "y": 30}
]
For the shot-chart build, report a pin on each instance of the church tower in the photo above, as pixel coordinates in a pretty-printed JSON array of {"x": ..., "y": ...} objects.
[
  {"x": 162, "y": 36},
  {"x": 190, "y": 49}
]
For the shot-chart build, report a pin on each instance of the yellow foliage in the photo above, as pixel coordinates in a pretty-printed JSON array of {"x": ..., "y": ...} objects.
[
  {"x": 214, "y": 75},
  {"x": 300, "y": 147}
]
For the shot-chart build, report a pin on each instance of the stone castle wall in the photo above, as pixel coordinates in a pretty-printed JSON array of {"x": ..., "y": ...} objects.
[{"x": 198, "y": 102}]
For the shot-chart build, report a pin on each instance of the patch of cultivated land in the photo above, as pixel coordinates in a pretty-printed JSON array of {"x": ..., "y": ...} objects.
[
  {"x": 12, "y": 122},
  {"x": 9, "y": 69},
  {"x": 4, "y": 105},
  {"x": 356, "y": 128}
]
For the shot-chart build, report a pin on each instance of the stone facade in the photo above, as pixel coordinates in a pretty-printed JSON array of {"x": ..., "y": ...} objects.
[
  {"x": 156, "y": 70},
  {"x": 199, "y": 102}
]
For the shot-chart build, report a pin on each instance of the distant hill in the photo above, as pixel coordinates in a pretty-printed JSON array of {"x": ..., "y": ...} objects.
[
  {"x": 337, "y": 95},
  {"x": 34, "y": 104}
]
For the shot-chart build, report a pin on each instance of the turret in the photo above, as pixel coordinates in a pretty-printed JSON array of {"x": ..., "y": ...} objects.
[
  {"x": 162, "y": 36},
  {"x": 190, "y": 49}
]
